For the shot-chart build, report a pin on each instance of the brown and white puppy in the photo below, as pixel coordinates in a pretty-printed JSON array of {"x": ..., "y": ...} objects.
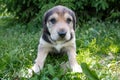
[{"x": 58, "y": 37}]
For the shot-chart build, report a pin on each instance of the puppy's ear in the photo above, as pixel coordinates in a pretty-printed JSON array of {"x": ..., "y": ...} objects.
[
  {"x": 74, "y": 19},
  {"x": 73, "y": 16},
  {"x": 46, "y": 32},
  {"x": 45, "y": 19}
]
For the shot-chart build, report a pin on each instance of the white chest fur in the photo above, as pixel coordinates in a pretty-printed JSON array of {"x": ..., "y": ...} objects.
[{"x": 58, "y": 46}]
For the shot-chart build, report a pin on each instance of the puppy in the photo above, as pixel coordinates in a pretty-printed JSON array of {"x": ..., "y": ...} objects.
[{"x": 58, "y": 37}]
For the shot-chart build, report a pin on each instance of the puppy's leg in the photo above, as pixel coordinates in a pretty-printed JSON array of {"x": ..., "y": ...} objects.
[
  {"x": 41, "y": 56},
  {"x": 72, "y": 60}
]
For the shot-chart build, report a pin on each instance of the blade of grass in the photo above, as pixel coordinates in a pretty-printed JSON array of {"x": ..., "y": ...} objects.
[{"x": 91, "y": 75}]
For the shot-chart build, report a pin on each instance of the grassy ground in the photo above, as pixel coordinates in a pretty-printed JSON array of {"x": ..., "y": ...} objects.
[{"x": 98, "y": 49}]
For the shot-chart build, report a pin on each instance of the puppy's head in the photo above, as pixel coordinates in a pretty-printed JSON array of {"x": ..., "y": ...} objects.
[{"x": 59, "y": 23}]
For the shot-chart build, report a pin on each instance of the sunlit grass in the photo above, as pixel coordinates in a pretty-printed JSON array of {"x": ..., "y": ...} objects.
[
  {"x": 97, "y": 45},
  {"x": 114, "y": 48}
]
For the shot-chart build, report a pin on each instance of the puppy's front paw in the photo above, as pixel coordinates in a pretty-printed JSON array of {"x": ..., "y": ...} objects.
[
  {"x": 30, "y": 73},
  {"x": 77, "y": 68},
  {"x": 36, "y": 68}
]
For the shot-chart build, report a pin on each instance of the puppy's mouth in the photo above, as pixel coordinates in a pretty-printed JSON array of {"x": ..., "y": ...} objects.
[
  {"x": 58, "y": 39},
  {"x": 62, "y": 38}
]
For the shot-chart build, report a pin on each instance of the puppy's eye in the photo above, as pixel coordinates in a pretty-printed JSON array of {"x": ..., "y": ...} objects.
[
  {"x": 53, "y": 20},
  {"x": 68, "y": 20}
]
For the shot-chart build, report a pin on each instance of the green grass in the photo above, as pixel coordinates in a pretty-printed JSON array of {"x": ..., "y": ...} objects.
[{"x": 98, "y": 49}]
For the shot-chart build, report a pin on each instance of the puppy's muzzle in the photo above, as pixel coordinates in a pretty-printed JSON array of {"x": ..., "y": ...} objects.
[{"x": 62, "y": 33}]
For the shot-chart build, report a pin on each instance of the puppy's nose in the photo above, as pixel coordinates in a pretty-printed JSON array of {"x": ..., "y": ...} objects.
[{"x": 62, "y": 34}]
